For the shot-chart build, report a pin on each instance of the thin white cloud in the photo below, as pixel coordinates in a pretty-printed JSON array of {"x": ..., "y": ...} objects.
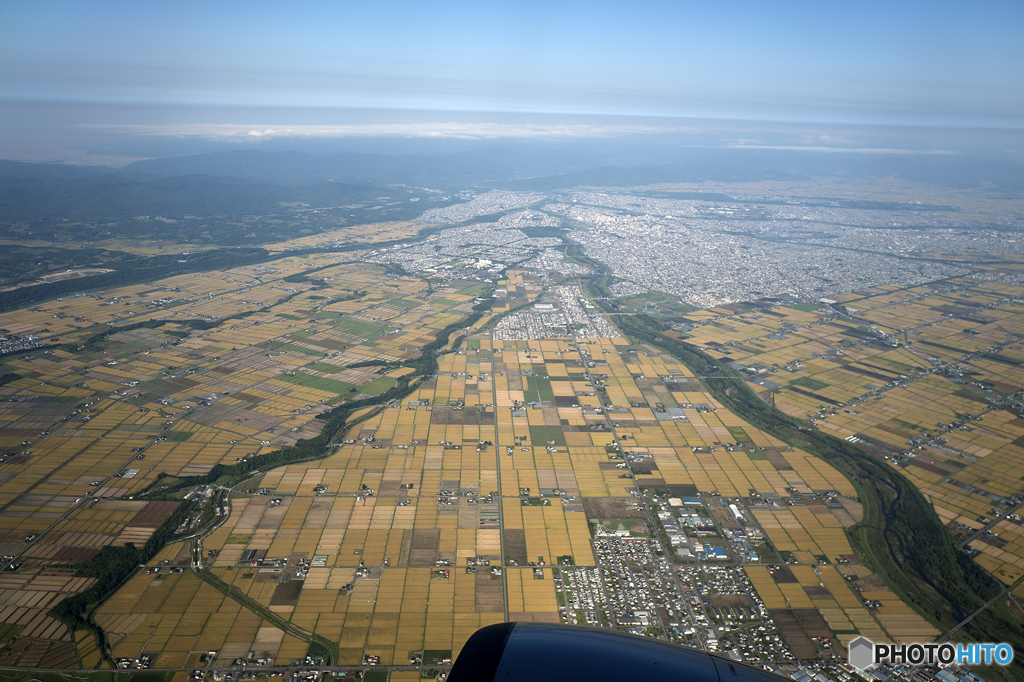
[
  {"x": 842, "y": 150},
  {"x": 470, "y": 131}
]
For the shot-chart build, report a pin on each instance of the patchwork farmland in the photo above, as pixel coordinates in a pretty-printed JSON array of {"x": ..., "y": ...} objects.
[{"x": 572, "y": 477}]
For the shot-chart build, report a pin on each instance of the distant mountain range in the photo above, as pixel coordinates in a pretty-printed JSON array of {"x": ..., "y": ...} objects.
[
  {"x": 253, "y": 181},
  {"x": 446, "y": 171}
]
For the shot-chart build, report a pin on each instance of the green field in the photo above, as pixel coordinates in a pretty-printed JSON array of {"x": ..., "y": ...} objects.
[{"x": 319, "y": 383}]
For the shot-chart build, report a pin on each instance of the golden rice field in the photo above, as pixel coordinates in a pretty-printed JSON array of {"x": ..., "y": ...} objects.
[
  {"x": 954, "y": 357},
  {"x": 83, "y": 432}
]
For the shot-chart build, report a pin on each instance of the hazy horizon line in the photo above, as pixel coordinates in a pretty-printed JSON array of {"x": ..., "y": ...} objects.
[{"x": 769, "y": 114}]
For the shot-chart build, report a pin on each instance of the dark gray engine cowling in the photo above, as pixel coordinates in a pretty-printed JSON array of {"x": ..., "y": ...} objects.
[{"x": 541, "y": 651}]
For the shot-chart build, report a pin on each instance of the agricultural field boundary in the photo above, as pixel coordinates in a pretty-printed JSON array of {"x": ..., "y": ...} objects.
[
  {"x": 113, "y": 566},
  {"x": 266, "y": 614},
  {"x": 337, "y": 419},
  {"x": 160, "y": 267},
  {"x": 901, "y": 534}
]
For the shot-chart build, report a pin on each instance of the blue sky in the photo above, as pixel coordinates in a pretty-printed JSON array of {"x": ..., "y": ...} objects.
[{"x": 889, "y": 62}]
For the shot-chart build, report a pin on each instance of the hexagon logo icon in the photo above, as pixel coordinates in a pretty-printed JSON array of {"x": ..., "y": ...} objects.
[{"x": 861, "y": 653}]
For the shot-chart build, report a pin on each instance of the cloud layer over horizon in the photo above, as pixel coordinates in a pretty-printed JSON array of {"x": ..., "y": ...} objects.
[{"x": 937, "y": 62}]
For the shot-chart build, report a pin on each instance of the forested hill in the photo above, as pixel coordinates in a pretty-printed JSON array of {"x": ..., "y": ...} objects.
[
  {"x": 21, "y": 169},
  {"x": 113, "y": 197}
]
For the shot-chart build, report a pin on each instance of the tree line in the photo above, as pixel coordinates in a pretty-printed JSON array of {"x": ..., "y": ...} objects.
[
  {"x": 110, "y": 568},
  {"x": 900, "y": 532},
  {"x": 337, "y": 419}
]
